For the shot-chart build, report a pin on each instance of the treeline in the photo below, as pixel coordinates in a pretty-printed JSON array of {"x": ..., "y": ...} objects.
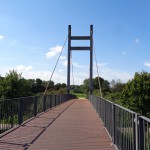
[
  {"x": 13, "y": 85},
  {"x": 135, "y": 94}
]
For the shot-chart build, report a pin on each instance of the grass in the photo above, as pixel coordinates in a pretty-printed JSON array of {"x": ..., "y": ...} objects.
[{"x": 80, "y": 95}]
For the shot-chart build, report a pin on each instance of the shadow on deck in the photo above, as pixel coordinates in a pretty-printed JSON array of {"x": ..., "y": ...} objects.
[{"x": 73, "y": 125}]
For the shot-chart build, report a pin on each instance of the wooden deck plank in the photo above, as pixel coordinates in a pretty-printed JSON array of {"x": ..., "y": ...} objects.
[{"x": 71, "y": 126}]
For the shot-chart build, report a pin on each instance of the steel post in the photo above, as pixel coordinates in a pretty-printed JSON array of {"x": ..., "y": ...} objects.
[
  {"x": 91, "y": 60},
  {"x": 69, "y": 49}
]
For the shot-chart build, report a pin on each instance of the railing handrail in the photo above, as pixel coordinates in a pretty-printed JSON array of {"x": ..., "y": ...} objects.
[
  {"x": 15, "y": 111},
  {"x": 29, "y": 97},
  {"x": 128, "y": 129},
  {"x": 131, "y": 111},
  {"x": 145, "y": 118},
  {"x": 104, "y": 99}
]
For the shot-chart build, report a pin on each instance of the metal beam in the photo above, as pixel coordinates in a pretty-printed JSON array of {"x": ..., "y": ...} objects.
[
  {"x": 80, "y": 48},
  {"x": 80, "y": 37}
]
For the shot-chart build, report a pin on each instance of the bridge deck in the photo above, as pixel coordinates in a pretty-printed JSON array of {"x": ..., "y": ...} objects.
[{"x": 73, "y": 125}]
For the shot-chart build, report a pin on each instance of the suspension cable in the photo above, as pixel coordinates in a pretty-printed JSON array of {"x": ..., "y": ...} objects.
[
  {"x": 100, "y": 89},
  {"x": 54, "y": 70}
]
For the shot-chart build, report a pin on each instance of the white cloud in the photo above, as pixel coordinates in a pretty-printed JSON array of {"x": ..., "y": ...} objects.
[
  {"x": 1, "y": 37},
  {"x": 4, "y": 70},
  {"x": 65, "y": 63},
  {"x": 53, "y": 51},
  {"x": 147, "y": 64},
  {"x": 102, "y": 64},
  {"x": 79, "y": 77},
  {"x": 38, "y": 64},
  {"x": 137, "y": 40},
  {"x": 60, "y": 70},
  {"x": 62, "y": 57},
  {"x": 58, "y": 77},
  {"x": 23, "y": 68},
  {"x": 8, "y": 58},
  {"x": 28, "y": 73},
  {"x": 109, "y": 74},
  {"x": 75, "y": 64},
  {"x": 44, "y": 75},
  {"x": 104, "y": 70}
]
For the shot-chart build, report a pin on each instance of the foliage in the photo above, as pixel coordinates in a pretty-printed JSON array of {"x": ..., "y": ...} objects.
[
  {"x": 104, "y": 85},
  {"x": 78, "y": 89},
  {"x": 79, "y": 95},
  {"x": 116, "y": 85},
  {"x": 136, "y": 93},
  {"x": 13, "y": 86},
  {"x": 38, "y": 86},
  {"x": 114, "y": 95}
]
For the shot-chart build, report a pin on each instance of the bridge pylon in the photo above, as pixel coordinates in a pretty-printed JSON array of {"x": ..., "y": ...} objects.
[{"x": 89, "y": 48}]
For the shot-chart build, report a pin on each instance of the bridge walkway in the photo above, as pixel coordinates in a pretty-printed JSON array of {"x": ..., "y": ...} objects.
[{"x": 73, "y": 125}]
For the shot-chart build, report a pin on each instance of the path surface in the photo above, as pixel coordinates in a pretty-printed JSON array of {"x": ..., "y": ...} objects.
[{"x": 73, "y": 125}]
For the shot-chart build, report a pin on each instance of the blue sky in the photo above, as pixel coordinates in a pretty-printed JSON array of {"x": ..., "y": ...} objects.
[{"x": 32, "y": 33}]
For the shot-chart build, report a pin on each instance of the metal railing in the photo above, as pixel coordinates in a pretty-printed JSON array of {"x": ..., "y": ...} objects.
[
  {"x": 128, "y": 130},
  {"x": 14, "y": 112}
]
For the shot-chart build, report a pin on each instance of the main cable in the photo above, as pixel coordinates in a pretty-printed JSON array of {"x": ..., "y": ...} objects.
[
  {"x": 100, "y": 89},
  {"x": 54, "y": 69}
]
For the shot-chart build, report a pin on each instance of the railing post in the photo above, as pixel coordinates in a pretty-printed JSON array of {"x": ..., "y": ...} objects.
[
  {"x": 136, "y": 132},
  {"x": 113, "y": 123},
  {"x": 11, "y": 115},
  {"x": 105, "y": 113},
  {"x": 50, "y": 102},
  {"x": 20, "y": 111},
  {"x": 133, "y": 132},
  {"x": 35, "y": 105},
  {"x": 55, "y": 97},
  {"x": 63, "y": 98},
  {"x": 44, "y": 104},
  {"x": 59, "y": 100},
  {"x": 53, "y": 100},
  {"x": 141, "y": 134},
  {"x": 68, "y": 97}
]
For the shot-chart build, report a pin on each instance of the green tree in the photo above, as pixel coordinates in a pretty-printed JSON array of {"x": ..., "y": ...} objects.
[
  {"x": 38, "y": 86},
  {"x": 104, "y": 85},
  {"x": 136, "y": 93},
  {"x": 50, "y": 84},
  {"x": 63, "y": 85},
  {"x": 116, "y": 87},
  {"x": 86, "y": 86},
  {"x": 57, "y": 86},
  {"x": 1, "y": 87},
  {"x": 14, "y": 85}
]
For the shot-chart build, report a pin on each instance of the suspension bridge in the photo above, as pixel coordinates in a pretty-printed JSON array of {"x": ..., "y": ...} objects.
[{"x": 63, "y": 122}]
